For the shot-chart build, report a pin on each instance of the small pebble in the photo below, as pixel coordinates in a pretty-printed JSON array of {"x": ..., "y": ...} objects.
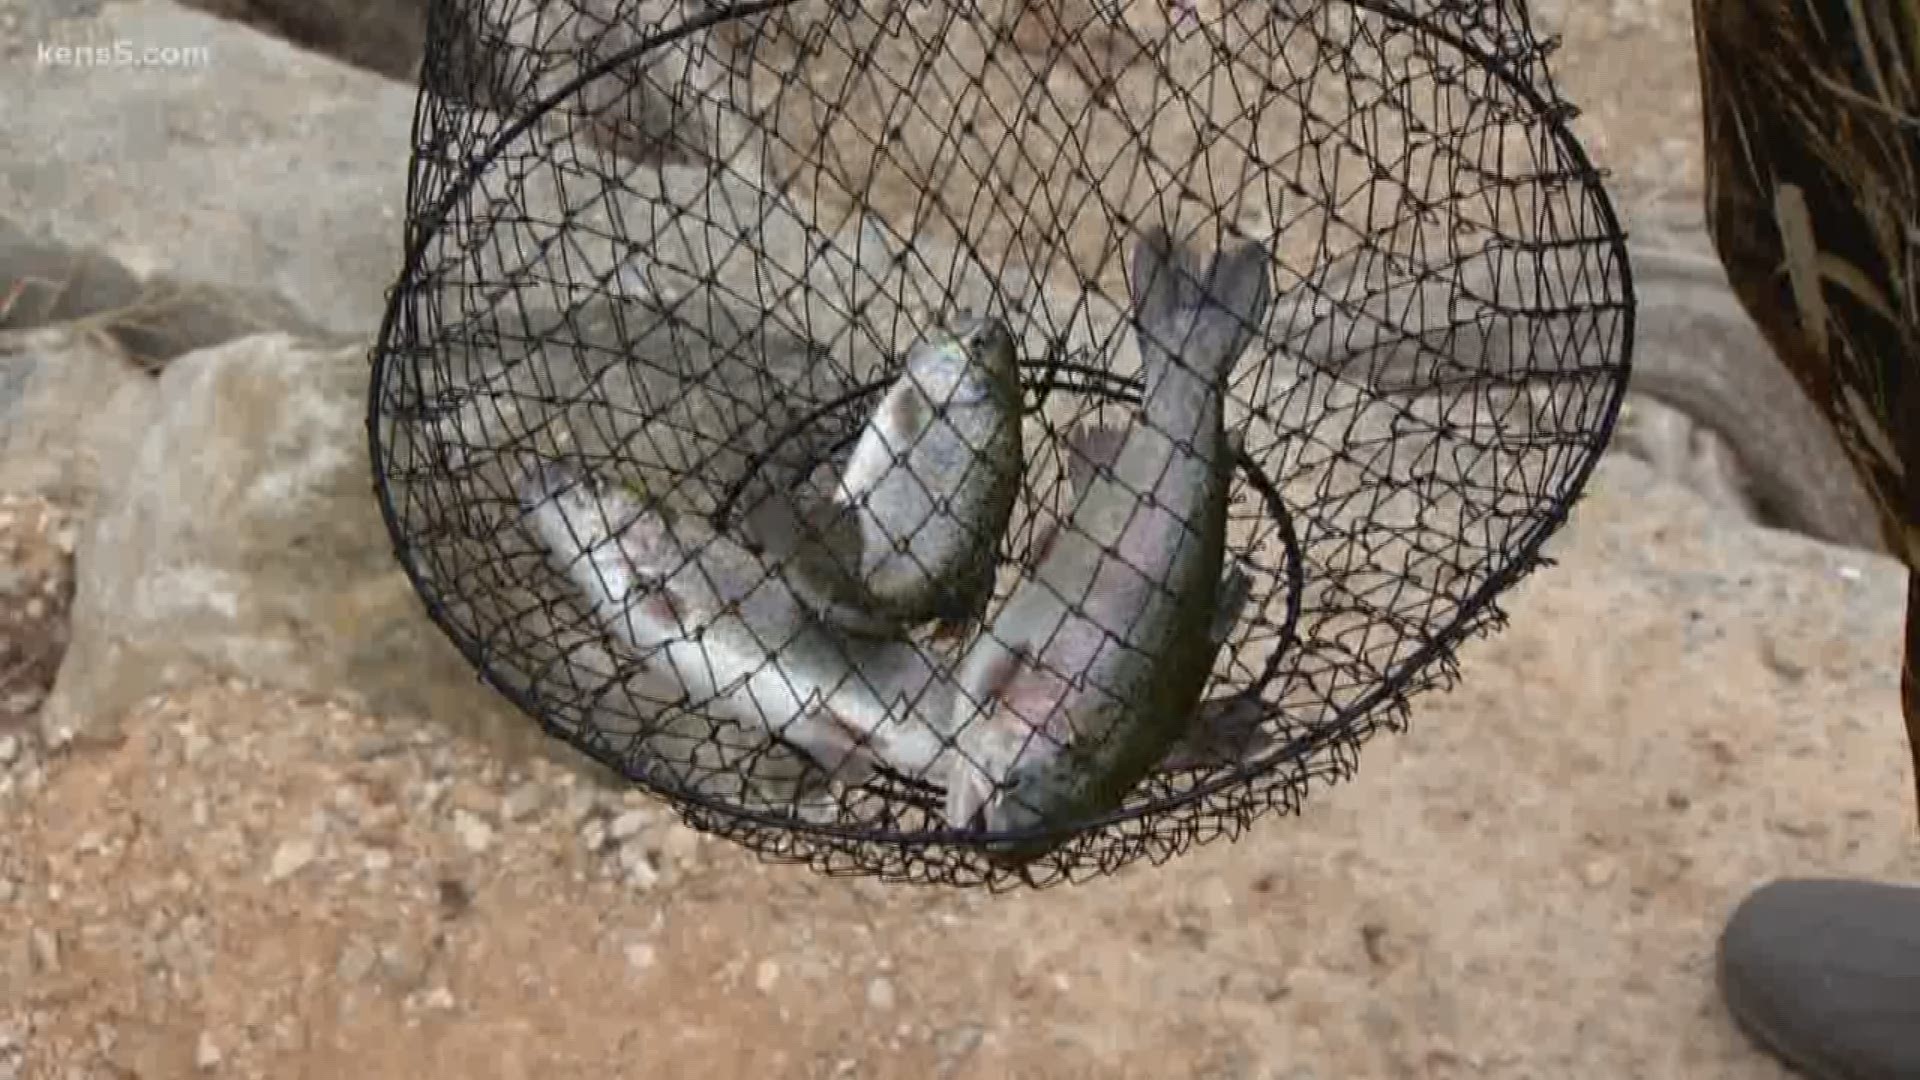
[
  {"x": 642, "y": 876},
  {"x": 356, "y": 962},
  {"x": 594, "y": 834},
  {"x": 475, "y": 834},
  {"x": 8, "y": 890},
  {"x": 377, "y": 861},
  {"x": 399, "y": 967},
  {"x": 765, "y": 975},
  {"x": 627, "y": 824},
  {"x": 46, "y": 952},
  {"x": 680, "y": 846},
  {"x": 640, "y": 956},
  {"x": 523, "y": 801},
  {"x": 290, "y": 858},
  {"x": 880, "y": 994},
  {"x": 206, "y": 1054},
  {"x": 955, "y": 1044},
  {"x": 1597, "y": 873},
  {"x": 9, "y": 749},
  {"x": 580, "y": 804}
]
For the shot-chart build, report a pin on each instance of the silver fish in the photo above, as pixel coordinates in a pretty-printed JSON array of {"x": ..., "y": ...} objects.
[
  {"x": 1224, "y": 731},
  {"x": 912, "y": 527},
  {"x": 1090, "y": 672},
  {"x": 698, "y": 604},
  {"x": 933, "y": 478},
  {"x": 736, "y": 643}
]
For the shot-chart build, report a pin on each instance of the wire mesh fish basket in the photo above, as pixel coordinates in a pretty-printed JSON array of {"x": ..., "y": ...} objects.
[{"x": 988, "y": 441}]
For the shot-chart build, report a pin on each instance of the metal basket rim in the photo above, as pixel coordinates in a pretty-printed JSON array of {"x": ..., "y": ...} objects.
[{"x": 1522, "y": 556}]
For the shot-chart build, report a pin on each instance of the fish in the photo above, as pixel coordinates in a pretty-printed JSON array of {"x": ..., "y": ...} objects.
[
  {"x": 912, "y": 529},
  {"x": 689, "y": 600},
  {"x": 1090, "y": 672},
  {"x": 933, "y": 479},
  {"x": 741, "y": 647},
  {"x": 1225, "y": 730}
]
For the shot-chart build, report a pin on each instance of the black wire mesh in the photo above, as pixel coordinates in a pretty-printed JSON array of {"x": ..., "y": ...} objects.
[{"x": 669, "y": 266}]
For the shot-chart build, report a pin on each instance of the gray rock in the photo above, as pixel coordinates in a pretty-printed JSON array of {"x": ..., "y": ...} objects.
[
  {"x": 668, "y": 106},
  {"x": 71, "y": 406},
  {"x": 45, "y": 283},
  {"x": 674, "y": 102},
  {"x": 42, "y": 282},
  {"x": 250, "y": 164},
  {"x": 1699, "y": 353},
  {"x": 383, "y": 36},
  {"x": 243, "y": 539}
]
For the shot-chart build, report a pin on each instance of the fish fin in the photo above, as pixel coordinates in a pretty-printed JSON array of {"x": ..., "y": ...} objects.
[
  {"x": 785, "y": 522},
  {"x": 968, "y": 791},
  {"x": 969, "y": 787},
  {"x": 1200, "y": 317},
  {"x": 1236, "y": 587},
  {"x": 889, "y": 435},
  {"x": 1224, "y": 732},
  {"x": 1090, "y": 448},
  {"x": 816, "y": 547}
]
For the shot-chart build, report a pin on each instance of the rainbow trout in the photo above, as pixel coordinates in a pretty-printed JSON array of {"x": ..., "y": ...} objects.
[
  {"x": 1091, "y": 671},
  {"x": 699, "y": 606},
  {"x": 703, "y": 614},
  {"x": 913, "y": 526},
  {"x": 933, "y": 478}
]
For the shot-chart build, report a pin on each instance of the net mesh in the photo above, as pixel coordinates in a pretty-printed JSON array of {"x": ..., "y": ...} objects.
[{"x": 987, "y": 443}]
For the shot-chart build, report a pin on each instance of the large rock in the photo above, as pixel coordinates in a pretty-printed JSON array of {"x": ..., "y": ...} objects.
[
  {"x": 383, "y": 36},
  {"x": 71, "y": 407},
  {"x": 243, "y": 538},
  {"x": 669, "y": 105},
  {"x": 151, "y": 319},
  {"x": 1700, "y": 353},
  {"x": 251, "y": 164}
]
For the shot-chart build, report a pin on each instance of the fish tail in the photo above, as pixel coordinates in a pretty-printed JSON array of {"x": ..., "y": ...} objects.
[{"x": 1200, "y": 317}]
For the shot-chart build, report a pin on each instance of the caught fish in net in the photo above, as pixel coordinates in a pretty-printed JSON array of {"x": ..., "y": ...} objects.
[{"x": 987, "y": 442}]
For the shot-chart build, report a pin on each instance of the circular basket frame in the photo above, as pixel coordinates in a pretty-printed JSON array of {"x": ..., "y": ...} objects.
[{"x": 1227, "y": 798}]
